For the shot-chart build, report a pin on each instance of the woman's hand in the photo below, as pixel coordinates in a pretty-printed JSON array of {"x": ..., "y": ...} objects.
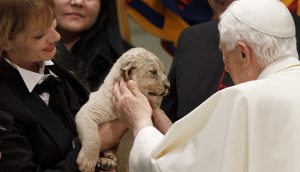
[
  {"x": 132, "y": 106},
  {"x": 110, "y": 134},
  {"x": 161, "y": 120}
]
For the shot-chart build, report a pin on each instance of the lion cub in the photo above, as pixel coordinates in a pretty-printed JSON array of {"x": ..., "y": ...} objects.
[{"x": 136, "y": 64}]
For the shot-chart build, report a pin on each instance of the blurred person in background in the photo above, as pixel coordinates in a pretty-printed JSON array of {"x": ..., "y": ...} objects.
[
  {"x": 90, "y": 38},
  {"x": 197, "y": 70}
]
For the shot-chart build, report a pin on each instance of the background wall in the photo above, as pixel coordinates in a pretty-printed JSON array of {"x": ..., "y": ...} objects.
[{"x": 140, "y": 38}]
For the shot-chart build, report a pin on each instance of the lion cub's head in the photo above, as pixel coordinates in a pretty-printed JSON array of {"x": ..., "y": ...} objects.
[{"x": 146, "y": 69}]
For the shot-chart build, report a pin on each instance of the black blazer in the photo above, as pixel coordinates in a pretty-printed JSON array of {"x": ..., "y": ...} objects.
[
  {"x": 197, "y": 69},
  {"x": 37, "y": 139}
]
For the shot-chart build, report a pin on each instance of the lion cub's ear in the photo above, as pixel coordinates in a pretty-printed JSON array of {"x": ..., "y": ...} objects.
[{"x": 126, "y": 69}]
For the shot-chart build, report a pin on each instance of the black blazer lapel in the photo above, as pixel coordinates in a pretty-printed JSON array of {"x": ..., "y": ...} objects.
[{"x": 34, "y": 105}]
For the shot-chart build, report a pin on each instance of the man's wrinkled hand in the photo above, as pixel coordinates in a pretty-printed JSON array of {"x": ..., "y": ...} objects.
[{"x": 132, "y": 106}]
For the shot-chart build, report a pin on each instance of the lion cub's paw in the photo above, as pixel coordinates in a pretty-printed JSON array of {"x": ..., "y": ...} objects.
[{"x": 87, "y": 161}]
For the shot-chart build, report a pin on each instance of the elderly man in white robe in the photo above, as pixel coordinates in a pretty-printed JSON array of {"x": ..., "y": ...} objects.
[{"x": 253, "y": 126}]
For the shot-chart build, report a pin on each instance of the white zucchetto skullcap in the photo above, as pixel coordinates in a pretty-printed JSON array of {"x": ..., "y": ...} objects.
[{"x": 268, "y": 16}]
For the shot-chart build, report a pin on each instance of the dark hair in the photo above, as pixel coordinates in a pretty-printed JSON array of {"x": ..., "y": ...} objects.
[
  {"x": 98, "y": 48},
  {"x": 104, "y": 31}
]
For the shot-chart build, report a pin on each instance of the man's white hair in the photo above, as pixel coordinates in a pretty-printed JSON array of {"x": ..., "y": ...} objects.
[{"x": 267, "y": 48}]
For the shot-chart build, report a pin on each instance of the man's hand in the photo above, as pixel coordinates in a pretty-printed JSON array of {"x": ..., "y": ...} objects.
[{"x": 132, "y": 106}]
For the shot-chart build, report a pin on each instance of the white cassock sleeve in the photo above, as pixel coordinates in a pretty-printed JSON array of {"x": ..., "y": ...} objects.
[
  {"x": 146, "y": 140},
  {"x": 235, "y": 130}
]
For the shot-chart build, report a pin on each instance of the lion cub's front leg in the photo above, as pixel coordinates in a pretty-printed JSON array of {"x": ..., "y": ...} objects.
[{"x": 89, "y": 136}]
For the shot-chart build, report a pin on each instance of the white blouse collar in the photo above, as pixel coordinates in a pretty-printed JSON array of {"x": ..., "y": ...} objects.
[{"x": 31, "y": 79}]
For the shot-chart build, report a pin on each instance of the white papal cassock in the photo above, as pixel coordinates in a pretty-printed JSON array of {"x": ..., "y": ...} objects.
[{"x": 250, "y": 127}]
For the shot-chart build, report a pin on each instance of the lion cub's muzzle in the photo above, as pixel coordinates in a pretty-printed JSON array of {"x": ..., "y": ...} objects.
[{"x": 161, "y": 91}]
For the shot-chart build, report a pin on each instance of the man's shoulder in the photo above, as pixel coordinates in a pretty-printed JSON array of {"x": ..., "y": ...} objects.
[
  {"x": 247, "y": 90},
  {"x": 200, "y": 35},
  {"x": 206, "y": 27},
  {"x": 275, "y": 86}
]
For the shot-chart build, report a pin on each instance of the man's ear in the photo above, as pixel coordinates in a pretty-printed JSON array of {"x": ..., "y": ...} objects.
[
  {"x": 246, "y": 53},
  {"x": 126, "y": 70}
]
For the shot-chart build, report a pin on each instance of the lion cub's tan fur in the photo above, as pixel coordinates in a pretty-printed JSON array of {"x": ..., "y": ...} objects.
[{"x": 137, "y": 64}]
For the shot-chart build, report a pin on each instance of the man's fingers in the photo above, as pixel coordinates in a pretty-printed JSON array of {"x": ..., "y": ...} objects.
[
  {"x": 124, "y": 88},
  {"x": 120, "y": 91},
  {"x": 133, "y": 87},
  {"x": 116, "y": 92}
]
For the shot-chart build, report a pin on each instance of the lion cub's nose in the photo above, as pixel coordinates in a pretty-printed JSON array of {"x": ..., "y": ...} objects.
[{"x": 167, "y": 85}]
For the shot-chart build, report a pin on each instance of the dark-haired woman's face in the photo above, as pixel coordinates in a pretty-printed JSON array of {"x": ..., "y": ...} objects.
[{"x": 76, "y": 16}]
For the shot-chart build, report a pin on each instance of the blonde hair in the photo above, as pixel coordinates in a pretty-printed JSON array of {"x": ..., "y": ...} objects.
[{"x": 22, "y": 15}]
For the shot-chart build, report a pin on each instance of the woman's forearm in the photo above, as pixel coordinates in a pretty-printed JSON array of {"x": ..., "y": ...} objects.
[{"x": 110, "y": 134}]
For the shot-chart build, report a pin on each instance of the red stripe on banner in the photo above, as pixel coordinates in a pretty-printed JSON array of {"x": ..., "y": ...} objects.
[
  {"x": 221, "y": 85},
  {"x": 293, "y": 6},
  {"x": 182, "y": 3}
]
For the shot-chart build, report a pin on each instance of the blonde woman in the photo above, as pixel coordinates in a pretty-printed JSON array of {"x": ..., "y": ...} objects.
[{"x": 38, "y": 97}]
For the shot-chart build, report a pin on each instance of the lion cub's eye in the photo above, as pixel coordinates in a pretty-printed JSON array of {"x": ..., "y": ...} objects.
[{"x": 153, "y": 72}]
